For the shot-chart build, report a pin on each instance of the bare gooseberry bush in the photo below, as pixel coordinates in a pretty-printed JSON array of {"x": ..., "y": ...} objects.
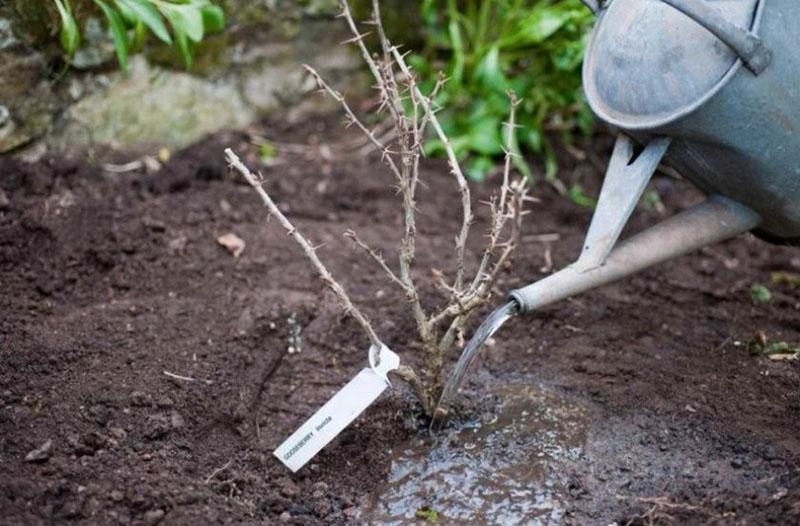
[{"x": 440, "y": 328}]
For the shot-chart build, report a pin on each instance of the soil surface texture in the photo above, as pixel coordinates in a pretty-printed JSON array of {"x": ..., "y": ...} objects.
[{"x": 147, "y": 374}]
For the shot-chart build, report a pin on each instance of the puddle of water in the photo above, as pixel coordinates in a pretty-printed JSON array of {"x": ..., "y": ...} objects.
[{"x": 504, "y": 468}]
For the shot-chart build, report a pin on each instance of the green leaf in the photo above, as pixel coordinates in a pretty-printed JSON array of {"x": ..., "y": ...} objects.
[
  {"x": 267, "y": 152},
  {"x": 118, "y": 33},
  {"x": 427, "y": 514},
  {"x": 579, "y": 198},
  {"x": 187, "y": 26},
  {"x": 489, "y": 72},
  {"x": 213, "y": 18},
  {"x": 457, "y": 70},
  {"x": 148, "y": 14},
  {"x": 485, "y": 136},
  {"x": 760, "y": 294},
  {"x": 128, "y": 16},
  {"x": 186, "y": 19},
  {"x": 478, "y": 167},
  {"x": 540, "y": 25},
  {"x": 185, "y": 49},
  {"x": 778, "y": 348},
  {"x": 69, "y": 36}
]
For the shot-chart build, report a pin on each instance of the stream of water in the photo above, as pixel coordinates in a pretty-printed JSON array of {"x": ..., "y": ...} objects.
[{"x": 490, "y": 325}]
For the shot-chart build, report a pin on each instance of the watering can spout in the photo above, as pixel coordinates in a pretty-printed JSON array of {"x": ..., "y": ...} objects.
[
  {"x": 602, "y": 261},
  {"x": 714, "y": 220}
]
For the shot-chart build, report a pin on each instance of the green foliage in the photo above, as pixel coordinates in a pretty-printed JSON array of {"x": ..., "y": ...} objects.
[
  {"x": 427, "y": 514},
  {"x": 780, "y": 350},
  {"x": 789, "y": 279},
  {"x": 129, "y": 21},
  {"x": 267, "y": 153},
  {"x": 577, "y": 196},
  {"x": 760, "y": 294},
  {"x": 534, "y": 47},
  {"x": 69, "y": 35}
]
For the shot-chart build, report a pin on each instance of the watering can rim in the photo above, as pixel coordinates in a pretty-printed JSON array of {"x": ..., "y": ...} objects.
[{"x": 649, "y": 122}]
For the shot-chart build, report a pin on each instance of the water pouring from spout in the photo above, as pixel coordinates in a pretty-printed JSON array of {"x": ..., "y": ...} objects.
[{"x": 489, "y": 326}]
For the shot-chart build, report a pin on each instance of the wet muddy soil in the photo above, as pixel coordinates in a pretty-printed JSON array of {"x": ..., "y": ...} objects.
[{"x": 146, "y": 374}]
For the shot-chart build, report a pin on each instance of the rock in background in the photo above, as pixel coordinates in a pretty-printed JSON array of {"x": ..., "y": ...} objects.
[{"x": 252, "y": 69}]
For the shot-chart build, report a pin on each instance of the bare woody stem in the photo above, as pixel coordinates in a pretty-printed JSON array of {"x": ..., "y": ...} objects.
[
  {"x": 507, "y": 206},
  {"x": 335, "y": 95},
  {"x": 412, "y": 112},
  {"x": 408, "y": 136},
  {"x": 455, "y": 168},
  {"x": 377, "y": 257},
  {"x": 308, "y": 249}
]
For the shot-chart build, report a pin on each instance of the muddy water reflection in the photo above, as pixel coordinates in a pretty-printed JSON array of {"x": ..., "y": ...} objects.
[{"x": 504, "y": 468}]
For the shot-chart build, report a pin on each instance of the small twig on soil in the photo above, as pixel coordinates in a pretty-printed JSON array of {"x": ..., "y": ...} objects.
[
  {"x": 124, "y": 168},
  {"x": 186, "y": 378},
  {"x": 218, "y": 471},
  {"x": 656, "y": 513},
  {"x": 542, "y": 238},
  {"x": 308, "y": 248}
]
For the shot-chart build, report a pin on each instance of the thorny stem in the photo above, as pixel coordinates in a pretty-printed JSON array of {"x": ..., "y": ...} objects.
[
  {"x": 377, "y": 257},
  {"x": 308, "y": 249},
  {"x": 455, "y": 168},
  {"x": 509, "y": 209},
  {"x": 409, "y": 167},
  {"x": 411, "y": 118},
  {"x": 335, "y": 95}
]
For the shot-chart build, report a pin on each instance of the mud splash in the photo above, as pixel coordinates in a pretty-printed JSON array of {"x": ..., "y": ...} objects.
[{"x": 505, "y": 467}]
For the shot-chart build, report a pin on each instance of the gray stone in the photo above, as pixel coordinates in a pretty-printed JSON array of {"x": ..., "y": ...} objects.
[
  {"x": 96, "y": 48},
  {"x": 176, "y": 420},
  {"x": 41, "y": 453},
  {"x": 154, "y": 516},
  {"x": 28, "y": 100},
  {"x": 151, "y": 107},
  {"x": 236, "y": 80}
]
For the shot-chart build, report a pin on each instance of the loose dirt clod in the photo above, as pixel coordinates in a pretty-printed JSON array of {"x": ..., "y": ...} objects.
[
  {"x": 232, "y": 243},
  {"x": 41, "y": 453}
]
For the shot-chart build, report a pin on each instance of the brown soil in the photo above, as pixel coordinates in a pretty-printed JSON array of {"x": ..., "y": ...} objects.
[{"x": 108, "y": 281}]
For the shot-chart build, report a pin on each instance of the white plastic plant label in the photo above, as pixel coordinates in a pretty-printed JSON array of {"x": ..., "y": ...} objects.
[{"x": 340, "y": 411}]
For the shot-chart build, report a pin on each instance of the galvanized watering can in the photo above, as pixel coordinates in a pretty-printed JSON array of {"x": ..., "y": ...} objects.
[{"x": 713, "y": 86}]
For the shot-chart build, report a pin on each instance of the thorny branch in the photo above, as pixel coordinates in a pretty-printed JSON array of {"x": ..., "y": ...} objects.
[
  {"x": 404, "y": 372},
  {"x": 411, "y": 112},
  {"x": 375, "y": 256},
  {"x": 455, "y": 167},
  {"x": 257, "y": 183}
]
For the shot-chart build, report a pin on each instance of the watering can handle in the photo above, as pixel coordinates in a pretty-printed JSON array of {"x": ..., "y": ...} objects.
[
  {"x": 750, "y": 48},
  {"x": 624, "y": 184}
]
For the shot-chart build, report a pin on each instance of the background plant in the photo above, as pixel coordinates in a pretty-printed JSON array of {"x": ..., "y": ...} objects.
[
  {"x": 533, "y": 47},
  {"x": 178, "y": 23}
]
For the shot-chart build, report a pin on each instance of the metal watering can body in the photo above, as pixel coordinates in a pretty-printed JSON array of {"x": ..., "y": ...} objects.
[{"x": 713, "y": 86}]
